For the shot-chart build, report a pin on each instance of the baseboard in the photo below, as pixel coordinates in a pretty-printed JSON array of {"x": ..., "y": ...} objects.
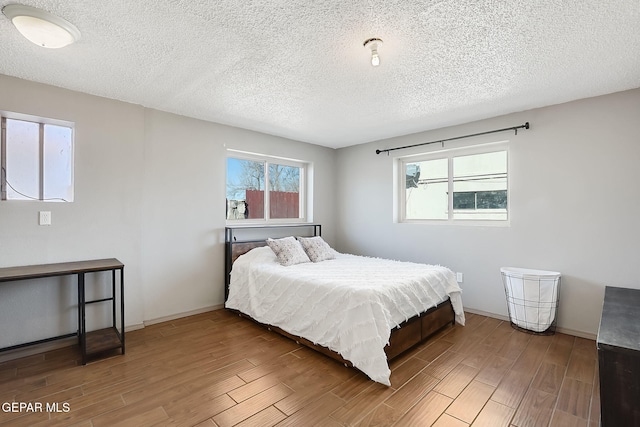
[
  {"x": 19, "y": 353},
  {"x": 486, "y": 314},
  {"x": 129, "y": 328},
  {"x": 566, "y": 331},
  {"x": 66, "y": 342},
  {"x": 183, "y": 314},
  {"x": 579, "y": 334}
]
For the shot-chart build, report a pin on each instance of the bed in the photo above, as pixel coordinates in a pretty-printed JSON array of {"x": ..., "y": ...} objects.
[{"x": 361, "y": 311}]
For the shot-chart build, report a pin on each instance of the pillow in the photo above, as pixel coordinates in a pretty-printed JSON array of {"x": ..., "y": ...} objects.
[
  {"x": 316, "y": 248},
  {"x": 288, "y": 251}
]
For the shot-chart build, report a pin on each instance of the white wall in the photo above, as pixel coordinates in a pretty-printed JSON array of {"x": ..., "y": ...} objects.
[
  {"x": 575, "y": 206},
  {"x": 149, "y": 190},
  {"x": 184, "y": 206}
]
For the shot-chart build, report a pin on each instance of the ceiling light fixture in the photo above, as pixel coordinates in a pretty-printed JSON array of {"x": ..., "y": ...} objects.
[
  {"x": 373, "y": 44},
  {"x": 40, "y": 27}
]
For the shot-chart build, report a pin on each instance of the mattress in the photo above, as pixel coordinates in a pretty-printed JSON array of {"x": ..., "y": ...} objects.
[{"x": 348, "y": 304}]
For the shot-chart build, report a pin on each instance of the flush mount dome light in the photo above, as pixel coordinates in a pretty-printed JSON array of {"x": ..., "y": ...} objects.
[
  {"x": 373, "y": 44},
  {"x": 40, "y": 27}
]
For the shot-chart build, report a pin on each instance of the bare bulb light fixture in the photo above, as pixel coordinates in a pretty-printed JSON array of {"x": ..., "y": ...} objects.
[
  {"x": 373, "y": 44},
  {"x": 40, "y": 27}
]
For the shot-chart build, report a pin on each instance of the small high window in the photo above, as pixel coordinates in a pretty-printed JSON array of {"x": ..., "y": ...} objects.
[
  {"x": 36, "y": 159},
  {"x": 455, "y": 185},
  {"x": 265, "y": 189}
]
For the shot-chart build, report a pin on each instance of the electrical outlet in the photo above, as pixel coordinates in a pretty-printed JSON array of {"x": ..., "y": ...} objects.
[
  {"x": 459, "y": 277},
  {"x": 45, "y": 217}
]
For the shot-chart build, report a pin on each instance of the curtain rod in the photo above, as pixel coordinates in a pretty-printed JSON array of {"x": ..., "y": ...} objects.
[{"x": 513, "y": 128}]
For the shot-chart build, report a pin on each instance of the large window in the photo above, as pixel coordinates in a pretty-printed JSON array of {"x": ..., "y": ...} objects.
[
  {"x": 265, "y": 189},
  {"x": 463, "y": 185},
  {"x": 36, "y": 159}
]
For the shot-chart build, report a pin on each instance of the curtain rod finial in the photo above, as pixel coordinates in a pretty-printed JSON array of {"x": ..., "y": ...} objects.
[{"x": 526, "y": 125}]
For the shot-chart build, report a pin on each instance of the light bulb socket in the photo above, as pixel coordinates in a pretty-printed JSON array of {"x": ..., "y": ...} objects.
[{"x": 372, "y": 43}]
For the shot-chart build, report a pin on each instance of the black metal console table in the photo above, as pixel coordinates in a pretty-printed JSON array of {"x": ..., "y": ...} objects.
[{"x": 92, "y": 342}]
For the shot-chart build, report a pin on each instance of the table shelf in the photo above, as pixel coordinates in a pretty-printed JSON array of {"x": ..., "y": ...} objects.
[{"x": 103, "y": 340}]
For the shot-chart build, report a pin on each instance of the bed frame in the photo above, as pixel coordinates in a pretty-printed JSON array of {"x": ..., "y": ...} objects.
[{"x": 404, "y": 337}]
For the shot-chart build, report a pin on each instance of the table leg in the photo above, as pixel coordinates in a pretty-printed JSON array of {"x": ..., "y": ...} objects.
[
  {"x": 113, "y": 302},
  {"x": 122, "y": 306},
  {"x": 82, "y": 319}
]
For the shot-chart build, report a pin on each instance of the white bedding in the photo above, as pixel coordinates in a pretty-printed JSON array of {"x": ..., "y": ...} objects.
[{"x": 349, "y": 304}]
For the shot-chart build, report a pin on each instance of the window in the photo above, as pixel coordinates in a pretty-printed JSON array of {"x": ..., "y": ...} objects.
[
  {"x": 265, "y": 189},
  {"x": 455, "y": 185},
  {"x": 36, "y": 159}
]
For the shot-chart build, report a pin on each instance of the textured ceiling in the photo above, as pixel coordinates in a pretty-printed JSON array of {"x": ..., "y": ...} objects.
[{"x": 298, "y": 69}]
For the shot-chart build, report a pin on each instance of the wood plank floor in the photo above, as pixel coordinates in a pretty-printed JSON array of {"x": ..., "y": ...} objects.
[{"x": 217, "y": 369}]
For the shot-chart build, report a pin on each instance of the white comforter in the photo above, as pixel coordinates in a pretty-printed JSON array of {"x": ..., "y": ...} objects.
[{"x": 349, "y": 304}]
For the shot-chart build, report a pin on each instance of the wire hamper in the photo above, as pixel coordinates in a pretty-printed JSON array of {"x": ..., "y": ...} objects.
[{"x": 532, "y": 299}]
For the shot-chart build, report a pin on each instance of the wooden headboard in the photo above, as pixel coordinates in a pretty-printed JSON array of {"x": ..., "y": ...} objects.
[{"x": 235, "y": 248}]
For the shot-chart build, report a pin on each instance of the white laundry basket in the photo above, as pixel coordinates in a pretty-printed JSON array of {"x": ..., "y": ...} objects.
[{"x": 532, "y": 298}]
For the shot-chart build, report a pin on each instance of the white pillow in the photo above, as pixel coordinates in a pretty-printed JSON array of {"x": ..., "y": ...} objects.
[
  {"x": 316, "y": 248},
  {"x": 288, "y": 251}
]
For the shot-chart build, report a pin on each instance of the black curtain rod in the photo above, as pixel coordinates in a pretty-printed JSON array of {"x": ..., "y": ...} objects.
[{"x": 513, "y": 128}]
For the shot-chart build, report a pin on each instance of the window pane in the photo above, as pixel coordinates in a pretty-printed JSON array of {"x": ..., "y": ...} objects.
[
  {"x": 245, "y": 189},
  {"x": 426, "y": 186},
  {"x": 23, "y": 160},
  {"x": 480, "y": 186},
  {"x": 284, "y": 191},
  {"x": 492, "y": 199},
  {"x": 58, "y": 163},
  {"x": 464, "y": 200}
]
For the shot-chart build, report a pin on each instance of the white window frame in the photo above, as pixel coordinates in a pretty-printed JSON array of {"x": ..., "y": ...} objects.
[
  {"x": 304, "y": 203},
  {"x": 41, "y": 122},
  {"x": 400, "y": 186}
]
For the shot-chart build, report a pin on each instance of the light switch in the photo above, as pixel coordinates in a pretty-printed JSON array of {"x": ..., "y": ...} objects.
[
  {"x": 459, "y": 277},
  {"x": 45, "y": 217}
]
